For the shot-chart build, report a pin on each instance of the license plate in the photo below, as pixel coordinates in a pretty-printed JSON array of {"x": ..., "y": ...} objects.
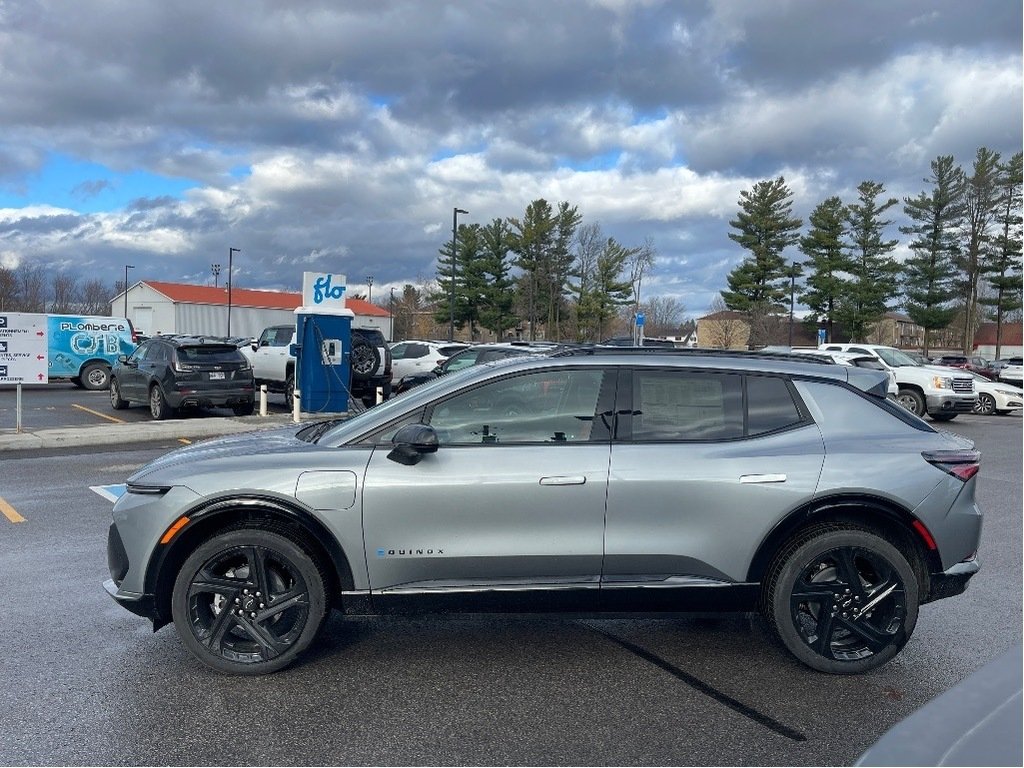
[{"x": 216, "y": 375}]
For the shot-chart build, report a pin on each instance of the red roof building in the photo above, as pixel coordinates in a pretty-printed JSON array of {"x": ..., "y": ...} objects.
[{"x": 155, "y": 306}]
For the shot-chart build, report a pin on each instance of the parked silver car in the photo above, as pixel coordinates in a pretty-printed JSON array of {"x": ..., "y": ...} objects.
[{"x": 596, "y": 480}]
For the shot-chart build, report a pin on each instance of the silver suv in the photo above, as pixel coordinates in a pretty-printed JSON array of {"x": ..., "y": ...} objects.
[{"x": 592, "y": 481}]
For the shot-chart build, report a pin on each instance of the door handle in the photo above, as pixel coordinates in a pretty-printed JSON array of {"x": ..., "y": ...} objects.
[
  {"x": 564, "y": 480},
  {"x": 762, "y": 479}
]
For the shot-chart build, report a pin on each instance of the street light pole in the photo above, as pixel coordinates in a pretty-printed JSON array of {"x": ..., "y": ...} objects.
[
  {"x": 369, "y": 289},
  {"x": 126, "y": 268},
  {"x": 451, "y": 297},
  {"x": 792, "y": 298},
  {"x": 215, "y": 268},
  {"x": 231, "y": 254},
  {"x": 391, "y": 311}
]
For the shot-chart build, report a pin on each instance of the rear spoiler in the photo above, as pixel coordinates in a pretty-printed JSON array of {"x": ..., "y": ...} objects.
[{"x": 869, "y": 380}]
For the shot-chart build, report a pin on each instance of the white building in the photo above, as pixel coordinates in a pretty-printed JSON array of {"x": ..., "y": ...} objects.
[{"x": 158, "y": 307}]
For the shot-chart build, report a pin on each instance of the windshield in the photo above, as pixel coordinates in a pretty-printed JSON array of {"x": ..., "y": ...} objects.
[{"x": 895, "y": 358}]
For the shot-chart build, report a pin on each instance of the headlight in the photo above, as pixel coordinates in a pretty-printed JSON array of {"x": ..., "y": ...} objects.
[{"x": 941, "y": 382}]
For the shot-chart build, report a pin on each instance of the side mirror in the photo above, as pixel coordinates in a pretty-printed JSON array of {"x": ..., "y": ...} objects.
[
  {"x": 122, "y": 359},
  {"x": 255, "y": 344},
  {"x": 412, "y": 442}
]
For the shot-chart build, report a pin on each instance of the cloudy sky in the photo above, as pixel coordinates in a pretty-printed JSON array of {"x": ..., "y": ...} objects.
[{"x": 338, "y": 136}]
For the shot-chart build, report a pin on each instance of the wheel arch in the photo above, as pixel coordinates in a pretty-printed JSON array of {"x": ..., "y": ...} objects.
[
  {"x": 891, "y": 520},
  {"x": 222, "y": 514}
]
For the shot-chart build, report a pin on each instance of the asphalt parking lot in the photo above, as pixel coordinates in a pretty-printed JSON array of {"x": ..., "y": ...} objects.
[{"x": 88, "y": 683}]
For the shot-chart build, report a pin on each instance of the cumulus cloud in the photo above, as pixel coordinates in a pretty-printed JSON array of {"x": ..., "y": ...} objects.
[{"x": 342, "y": 135}]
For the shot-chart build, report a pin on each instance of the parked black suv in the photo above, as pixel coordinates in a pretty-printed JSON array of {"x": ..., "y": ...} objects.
[
  {"x": 172, "y": 372},
  {"x": 370, "y": 359}
]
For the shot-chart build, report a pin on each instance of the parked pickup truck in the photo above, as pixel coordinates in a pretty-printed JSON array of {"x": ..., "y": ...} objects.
[
  {"x": 369, "y": 357},
  {"x": 940, "y": 392}
]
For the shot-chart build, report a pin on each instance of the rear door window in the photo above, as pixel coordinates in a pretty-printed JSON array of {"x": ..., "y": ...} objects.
[{"x": 770, "y": 405}]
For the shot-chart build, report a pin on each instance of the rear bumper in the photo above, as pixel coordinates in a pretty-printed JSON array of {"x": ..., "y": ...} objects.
[
  {"x": 953, "y": 581},
  {"x": 212, "y": 398}
]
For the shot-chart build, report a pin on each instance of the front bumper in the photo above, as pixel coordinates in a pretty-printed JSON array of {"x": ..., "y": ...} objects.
[
  {"x": 951, "y": 403},
  {"x": 953, "y": 581},
  {"x": 140, "y": 605}
]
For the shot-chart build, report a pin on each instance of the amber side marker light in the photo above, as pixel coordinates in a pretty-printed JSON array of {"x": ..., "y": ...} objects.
[{"x": 180, "y": 523}]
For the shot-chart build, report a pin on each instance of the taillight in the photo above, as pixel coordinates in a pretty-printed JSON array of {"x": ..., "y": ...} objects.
[{"x": 961, "y": 464}]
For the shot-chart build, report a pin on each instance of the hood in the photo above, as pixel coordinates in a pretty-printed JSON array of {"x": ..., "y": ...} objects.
[{"x": 224, "y": 451}]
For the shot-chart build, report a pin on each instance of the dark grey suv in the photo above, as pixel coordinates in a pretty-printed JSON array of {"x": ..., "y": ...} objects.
[
  {"x": 172, "y": 372},
  {"x": 592, "y": 481}
]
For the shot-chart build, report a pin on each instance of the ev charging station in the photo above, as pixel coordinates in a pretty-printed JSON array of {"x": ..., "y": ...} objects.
[{"x": 323, "y": 336}]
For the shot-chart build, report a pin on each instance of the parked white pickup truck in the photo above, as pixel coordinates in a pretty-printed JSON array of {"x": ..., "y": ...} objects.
[
  {"x": 274, "y": 365},
  {"x": 940, "y": 392}
]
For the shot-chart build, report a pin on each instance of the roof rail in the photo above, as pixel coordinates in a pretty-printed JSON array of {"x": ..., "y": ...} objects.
[{"x": 597, "y": 349}]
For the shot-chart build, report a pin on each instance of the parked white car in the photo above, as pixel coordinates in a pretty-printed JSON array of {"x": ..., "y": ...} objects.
[
  {"x": 854, "y": 359},
  {"x": 416, "y": 357},
  {"x": 940, "y": 392},
  {"x": 996, "y": 397},
  {"x": 1012, "y": 374}
]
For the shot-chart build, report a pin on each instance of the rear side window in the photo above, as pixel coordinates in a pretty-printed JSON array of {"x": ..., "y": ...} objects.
[
  {"x": 686, "y": 405},
  {"x": 673, "y": 405},
  {"x": 770, "y": 405}
]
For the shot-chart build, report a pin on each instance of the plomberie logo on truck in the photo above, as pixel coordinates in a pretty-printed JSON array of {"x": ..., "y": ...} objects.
[{"x": 83, "y": 326}]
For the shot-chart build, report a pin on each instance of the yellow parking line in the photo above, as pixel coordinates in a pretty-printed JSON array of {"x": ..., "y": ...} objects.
[
  {"x": 184, "y": 440},
  {"x": 106, "y": 416},
  {"x": 9, "y": 512}
]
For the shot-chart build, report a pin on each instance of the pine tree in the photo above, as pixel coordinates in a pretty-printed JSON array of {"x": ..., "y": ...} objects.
[
  {"x": 929, "y": 273},
  {"x": 495, "y": 265},
  {"x": 1001, "y": 266},
  {"x": 826, "y": 260},
  {"x": 765, "y": 228},
  {"x": 532, "y": 240},
  {"x": 874, "y": 273},
  {"x": 981, "y": 208}
]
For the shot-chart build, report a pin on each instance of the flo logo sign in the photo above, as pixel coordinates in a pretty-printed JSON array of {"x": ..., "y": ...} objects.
[{"x": 323, "y": 290}]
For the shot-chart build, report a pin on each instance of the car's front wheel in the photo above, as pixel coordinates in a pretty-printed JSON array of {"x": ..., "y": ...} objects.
[
  {"x": 843, "y": 600},
  {"x": 912, "y": 400},
  {"x": 116, "y": 401},
  {"x": 985, "y": 404},
  {"x": 249, "y": 601}
]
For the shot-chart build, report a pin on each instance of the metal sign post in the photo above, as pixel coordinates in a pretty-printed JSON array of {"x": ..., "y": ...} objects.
[{"x": 24, "y": 352}]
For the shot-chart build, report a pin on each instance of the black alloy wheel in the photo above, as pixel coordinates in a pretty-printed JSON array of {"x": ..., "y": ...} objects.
[
  {"x": 248, "y": 601},
  {"x": 289, "y": 391},
  {"x": 843, "y": 600},
  {"x": 985, "y": 404}
]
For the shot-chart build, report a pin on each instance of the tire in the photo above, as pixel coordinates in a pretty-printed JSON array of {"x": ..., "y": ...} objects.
[
  {"x": 96, "y": 376},
  {"x": 158, "y": 407},
  {"x": 912, "y": 400},
  {"x": 815, "y": 591},
  {"x": 248, "y": 568},
  {"x": 115, "y": 396},
  {"x": 244, "y": 410},
  {"x": 985, "y": 404},
  {"x": 289, "y": 391},
  {"x": 364, "y": 359},
  {"x": 942, "y": 416}
]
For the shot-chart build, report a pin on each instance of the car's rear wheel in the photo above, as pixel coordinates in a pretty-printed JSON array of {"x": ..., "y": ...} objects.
[
  {"x": 912, "y": 400},
  {"x": 246, "y": 409},
  {"x": 158, "y": 407},
  {"x": 289, "y": 391},
  {"x": 95, "y": 376},
  {"x": 115, "y": 396},
  {"x": 249, "y": 601},
  {"x": 985, "y": 404},
  {"x": 942, "y": 416},
  {"x": 843, "y": 600}
]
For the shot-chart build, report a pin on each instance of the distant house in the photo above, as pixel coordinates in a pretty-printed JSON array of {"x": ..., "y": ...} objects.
[
  {"x": 159, "y": 307},
  {"x": 896, "y": 330},
  {"x": 730, "y": 329},
  {"x": 1012, "y": 343}
]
